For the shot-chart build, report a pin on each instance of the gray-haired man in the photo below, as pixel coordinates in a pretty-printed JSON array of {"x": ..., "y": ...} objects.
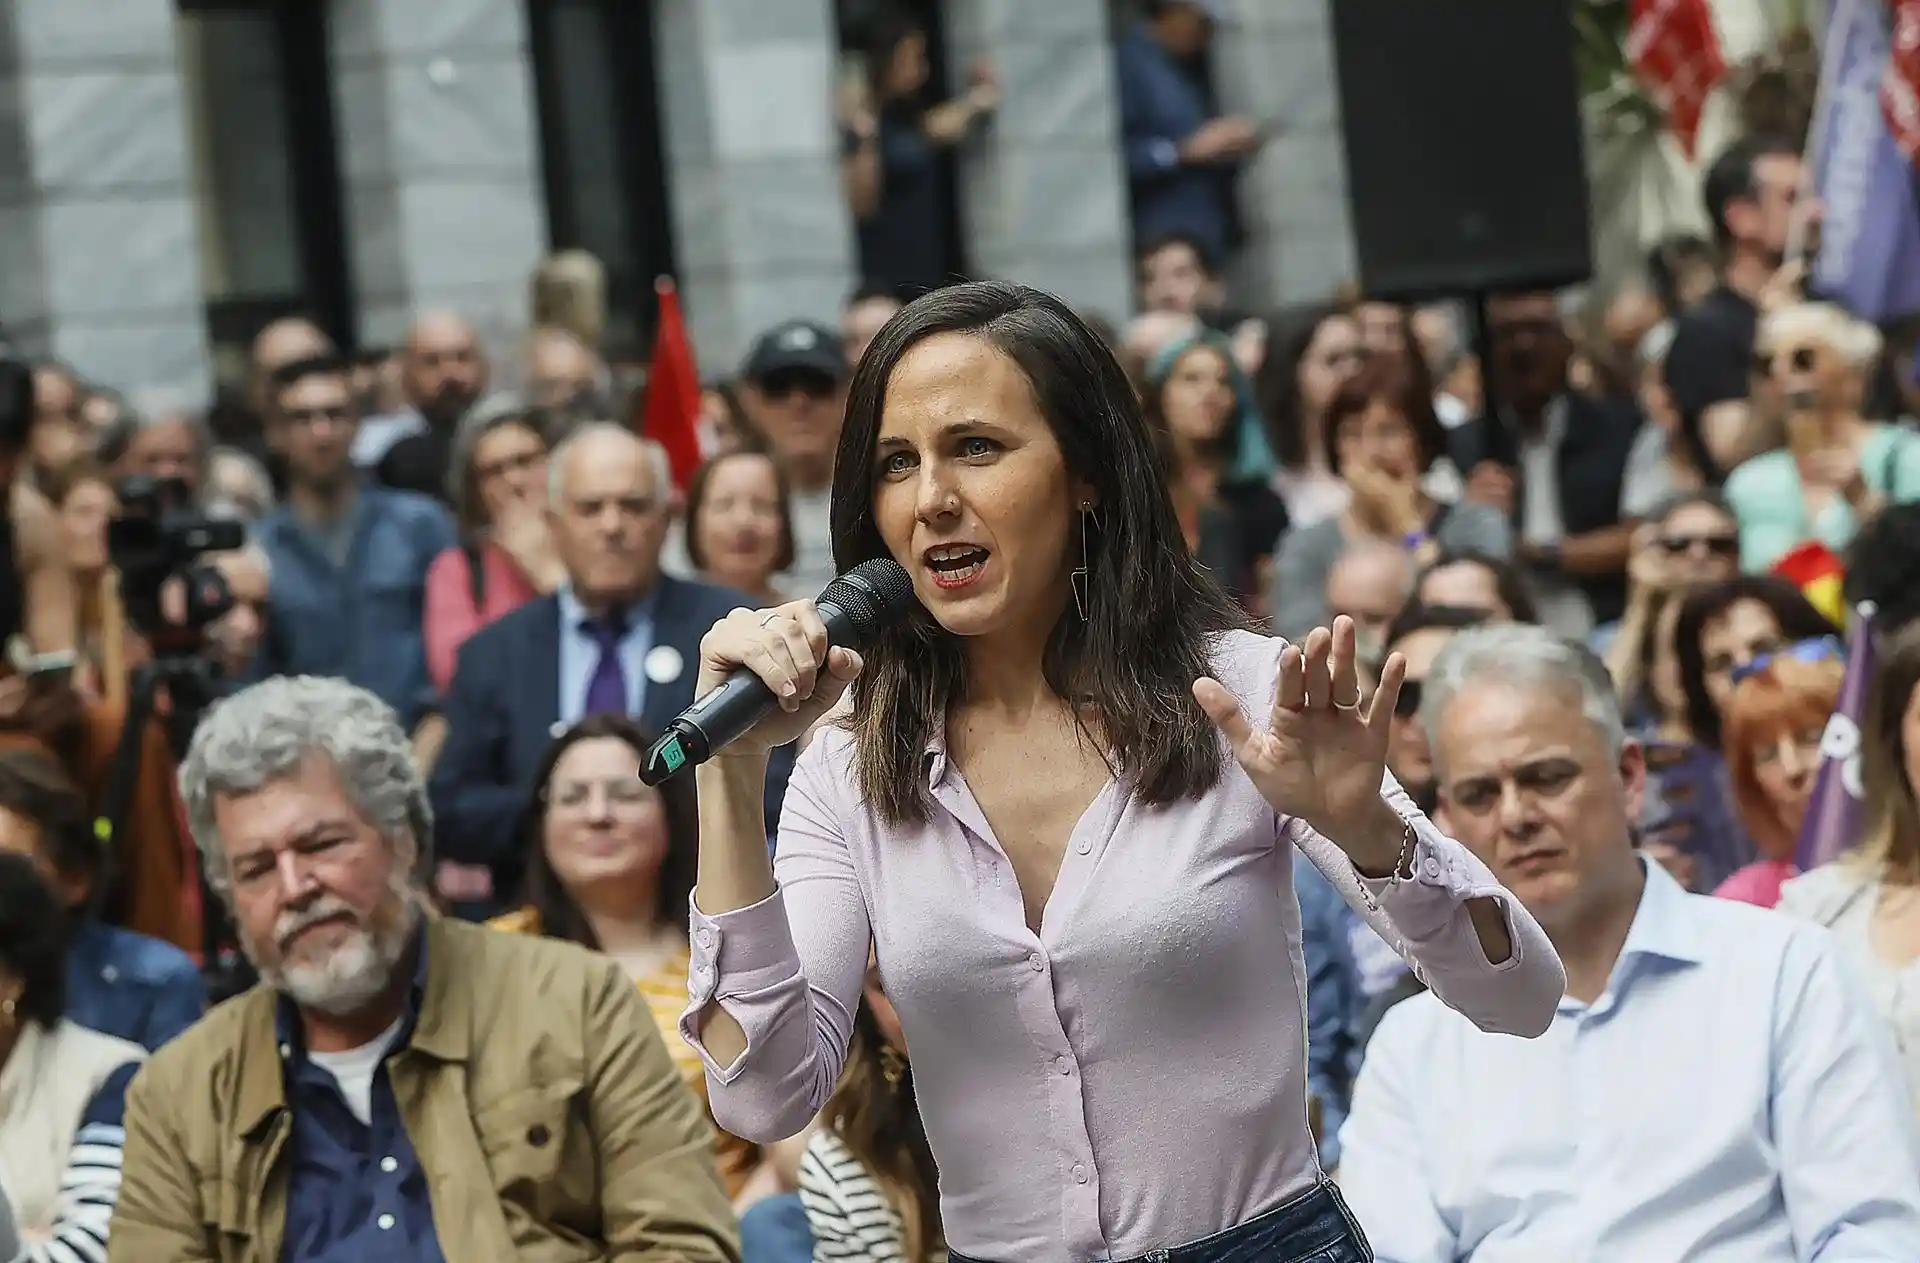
[
  {"x": 1713, "y": 1086},
  {"x": 398, "y": 1086}
]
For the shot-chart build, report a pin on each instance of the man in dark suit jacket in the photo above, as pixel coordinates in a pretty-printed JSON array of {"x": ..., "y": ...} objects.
[
  {"x": 1558, "y": 462},
  {"x": 550, "y": 663}
]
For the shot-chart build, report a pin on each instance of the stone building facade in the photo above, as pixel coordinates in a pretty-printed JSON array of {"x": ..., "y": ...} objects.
[{"x": 173, "y": 172}]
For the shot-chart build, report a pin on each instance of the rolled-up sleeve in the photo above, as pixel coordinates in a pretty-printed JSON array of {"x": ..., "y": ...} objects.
[
  {"x": 1424, "y": 916},
  {"x": 788, "y": 969}
]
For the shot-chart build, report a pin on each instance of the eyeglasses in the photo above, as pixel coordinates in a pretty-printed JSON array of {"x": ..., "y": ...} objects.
[
  {"x": 1800, "y": 359},
  {"x": 1823, "y": 649},
  {"x": 1713, "y": 545},
  {"x": 1407, "y": 705}
]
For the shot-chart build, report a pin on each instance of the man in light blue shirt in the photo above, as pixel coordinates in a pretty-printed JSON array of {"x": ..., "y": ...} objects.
[{"x": 1715, "y": 1088}]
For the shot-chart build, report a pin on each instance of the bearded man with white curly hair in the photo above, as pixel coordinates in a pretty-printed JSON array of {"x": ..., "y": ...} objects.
[{"x": 398, "y": 1085}]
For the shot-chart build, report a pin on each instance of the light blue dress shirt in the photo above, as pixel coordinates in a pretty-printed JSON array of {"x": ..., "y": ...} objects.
[
  {"x": 1730, "y": 1098},
  {"x": 580, "y": 654}
]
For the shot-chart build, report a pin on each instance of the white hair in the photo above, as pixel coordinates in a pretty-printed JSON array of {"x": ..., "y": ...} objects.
[
  {"x": 1857, "y": 341},
  {"x": 267, "y": 732},
  {"x": 657, "y": 458},
  {"x": 1518, "y": 655}
]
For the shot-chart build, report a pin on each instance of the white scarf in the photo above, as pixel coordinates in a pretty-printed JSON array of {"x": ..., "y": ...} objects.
[{"x": 45, "y": 1086}]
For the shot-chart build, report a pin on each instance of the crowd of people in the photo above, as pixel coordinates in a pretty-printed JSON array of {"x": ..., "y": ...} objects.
[{"x": 472, "y": 593}]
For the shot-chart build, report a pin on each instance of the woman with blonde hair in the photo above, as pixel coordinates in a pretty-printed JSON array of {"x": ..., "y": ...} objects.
[
  {"x": 1774, "y": 720},
  {"x": 1870, "y": 898},
  {"x": 1838, "y": 468}
]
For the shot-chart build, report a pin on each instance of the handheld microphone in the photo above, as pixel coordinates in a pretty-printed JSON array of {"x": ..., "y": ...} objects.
[{"x": 854, "y": 607}]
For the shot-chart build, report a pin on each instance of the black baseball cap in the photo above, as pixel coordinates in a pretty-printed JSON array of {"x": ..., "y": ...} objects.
[{"x": 796, "y": 345}]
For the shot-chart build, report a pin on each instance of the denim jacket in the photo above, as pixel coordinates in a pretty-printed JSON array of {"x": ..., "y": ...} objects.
[{"x": 130, "y": 986}]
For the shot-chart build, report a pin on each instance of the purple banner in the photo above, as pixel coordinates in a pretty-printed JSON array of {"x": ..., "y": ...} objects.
[
  {"x": 1834, "y": 816},
  {"x": 1869, "y": 257}
]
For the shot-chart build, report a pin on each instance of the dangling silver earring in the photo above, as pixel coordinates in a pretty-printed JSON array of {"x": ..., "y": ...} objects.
[{"x": 1080, "y": 575}]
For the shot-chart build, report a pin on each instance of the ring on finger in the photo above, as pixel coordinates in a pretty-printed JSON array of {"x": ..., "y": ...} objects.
[
  {"x": 768, "y": 617},
  {"x": 1346, "y": 707}
]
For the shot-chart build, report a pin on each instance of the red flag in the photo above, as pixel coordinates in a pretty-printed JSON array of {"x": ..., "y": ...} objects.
[
  {"x": 1900, "y": 85},
  {"x": 671, "y": 414},
  {"x": 1672, "y": 45}
]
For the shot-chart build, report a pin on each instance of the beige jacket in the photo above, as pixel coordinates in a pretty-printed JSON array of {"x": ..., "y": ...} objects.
[{"x": 537, "y": 1093}]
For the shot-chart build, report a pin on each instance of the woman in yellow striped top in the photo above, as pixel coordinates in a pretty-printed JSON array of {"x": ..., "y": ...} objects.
[{"x": 610, "y": 865}]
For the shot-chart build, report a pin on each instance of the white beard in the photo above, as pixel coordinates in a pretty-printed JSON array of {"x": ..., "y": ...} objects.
[{"x": 357, "y": 973}]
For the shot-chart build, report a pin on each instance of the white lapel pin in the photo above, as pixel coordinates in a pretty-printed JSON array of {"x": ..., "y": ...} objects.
[{"x": 664, "y": 664}]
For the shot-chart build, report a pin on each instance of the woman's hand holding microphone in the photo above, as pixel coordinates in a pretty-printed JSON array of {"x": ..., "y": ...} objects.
[{"x": 787, "y": 648}]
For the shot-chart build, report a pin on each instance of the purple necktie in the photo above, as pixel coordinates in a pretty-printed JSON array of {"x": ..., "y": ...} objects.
[{"x": 607, "y": 688}]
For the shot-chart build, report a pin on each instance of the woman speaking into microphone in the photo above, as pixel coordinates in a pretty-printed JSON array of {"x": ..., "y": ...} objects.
[{"x": 1062, "y": 810}]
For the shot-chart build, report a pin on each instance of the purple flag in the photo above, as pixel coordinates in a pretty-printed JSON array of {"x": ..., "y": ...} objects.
[
  {"x": 1833, "y": 819},
  {"x": 1869, "y": 257}
]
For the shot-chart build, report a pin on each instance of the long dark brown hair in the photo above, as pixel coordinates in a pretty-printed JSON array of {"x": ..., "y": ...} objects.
[
  {"x": 560, "y": 916},
  {"x": 1154, "y": 612},
  {"x": 1889, "y": 846},
  {"x": 873, "y": 1112}
]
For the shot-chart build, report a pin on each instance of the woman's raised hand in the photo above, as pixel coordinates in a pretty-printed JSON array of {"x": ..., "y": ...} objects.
[
  {"x": 787, "y": 648},
  {"x": 1323, "y": 754}
]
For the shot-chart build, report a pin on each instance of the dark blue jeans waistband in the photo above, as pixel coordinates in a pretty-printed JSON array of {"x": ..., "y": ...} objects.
[{"x": 1313, "y": 1226}]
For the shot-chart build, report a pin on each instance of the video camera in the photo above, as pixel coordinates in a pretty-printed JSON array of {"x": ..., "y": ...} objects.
[{"x": 159, "y": 537}]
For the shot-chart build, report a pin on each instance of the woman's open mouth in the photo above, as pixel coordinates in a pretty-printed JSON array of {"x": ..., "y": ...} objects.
[{"x": 956, "y": 567}]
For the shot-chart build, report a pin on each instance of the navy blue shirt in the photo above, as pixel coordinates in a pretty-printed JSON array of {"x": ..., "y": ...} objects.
[
  {"x": 1161, "y": 105},
  {"x": 130, "y": 986},
  {"x": 357, "y": 1193},
  {"x": 361, "y": 621}
]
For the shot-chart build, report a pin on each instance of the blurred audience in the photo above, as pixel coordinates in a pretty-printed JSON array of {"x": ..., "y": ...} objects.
[
  {"x": 739, "y": 530},
  {"x": 62, "y": 1087},
  {"x": 1871, "y": 897},
  {"x": 1773, "y": 724},
  {"x": 1384, "y": 439},
  {"x": 497, "y": 485}
]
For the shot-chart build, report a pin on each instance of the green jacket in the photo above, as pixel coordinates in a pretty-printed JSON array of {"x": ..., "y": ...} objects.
[{"x": 536, "y": 1090}]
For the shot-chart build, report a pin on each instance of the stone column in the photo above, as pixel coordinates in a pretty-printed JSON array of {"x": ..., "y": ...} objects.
[
  {"x": 1043, "y": 187},
  {"x": 444, "y": 202},
  {"x": 761, "y": 226},
  {"x": 99, "y": 262},
  {"x": 1274, "y": 64}
]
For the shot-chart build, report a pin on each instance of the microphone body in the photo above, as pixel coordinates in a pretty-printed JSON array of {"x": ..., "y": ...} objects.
[{"x": 855, "y": 606}]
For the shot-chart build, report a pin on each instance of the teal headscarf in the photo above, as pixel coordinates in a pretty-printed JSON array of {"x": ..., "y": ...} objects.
[{"x": 1252, "y": 459}]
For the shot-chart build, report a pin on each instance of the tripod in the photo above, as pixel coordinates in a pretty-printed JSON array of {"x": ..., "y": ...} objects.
[{"x": 191, "y": 684}]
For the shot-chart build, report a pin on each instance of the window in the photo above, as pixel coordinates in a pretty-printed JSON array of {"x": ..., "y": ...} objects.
[
  {"x": 266, "y": 179},
  {"x": 600, "y": 144}
]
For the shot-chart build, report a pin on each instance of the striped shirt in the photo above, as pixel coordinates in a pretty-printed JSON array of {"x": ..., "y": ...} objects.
[
  {"x": 90, "y": 1184},
  {"x": 850, "y": 1216}
]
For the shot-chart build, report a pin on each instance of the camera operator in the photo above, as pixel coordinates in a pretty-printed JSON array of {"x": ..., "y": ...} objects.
[{"x": 182, "y": 621}]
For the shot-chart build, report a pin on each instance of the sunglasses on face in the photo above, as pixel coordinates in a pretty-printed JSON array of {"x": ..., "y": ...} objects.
[
  {"x": 1407, "y": 705},
  {"x": 1824, "y": 649},
  {"x": 1714, "y": 545},
  {"x": 1800, "y": 359},
  {"x": 787, "y": 383}
]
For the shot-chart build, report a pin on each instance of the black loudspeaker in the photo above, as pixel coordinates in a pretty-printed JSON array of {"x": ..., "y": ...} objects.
[{"x": 1466, "y": 168}]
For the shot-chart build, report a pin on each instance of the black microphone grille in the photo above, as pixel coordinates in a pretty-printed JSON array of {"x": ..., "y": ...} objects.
[{"x": 870, "y": 594}]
